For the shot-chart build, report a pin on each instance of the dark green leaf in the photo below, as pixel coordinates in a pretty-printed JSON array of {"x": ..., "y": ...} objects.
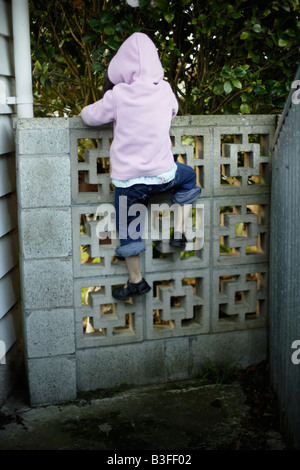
[
  {"x": 109, "y": 30},
  {"x": 162, "y": 4},
  {"x": 259, "y": 90},
  {"x": 113, "y": 44},
  {"x": 169, "y": 16},
  {"x": 245, "y": 108},
  {"x": 257, "y": 28},
  {"x": 90, "y": 37},
  {"x": 283, "y": 42},
  {"x": 226, "y": 72},
  {"x": 97, "y": 67},
  {"x": 239, "y": 72},
  {"x": 94, "y": 24},
  {"x": 119, "y": 28},
  {"x": 106, "y": 17},
  {"x": 290, "y": 32},
  {"x": 38, "y": 66},
  {"x": 227, "y": 87},
  {"x": 50, "y": 52},
  {"x": 236, "y": 15},
  {"x": 269, "y": 84},
  {"x": 236, "y": 83},
  {"x": 218, "y": 89},
  {"x": 245, "y": 35}
]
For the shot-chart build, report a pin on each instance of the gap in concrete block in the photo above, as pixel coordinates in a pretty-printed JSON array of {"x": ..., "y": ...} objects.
[
  {"x": 159, "y": 322},
  {"x": 196, "y": 321},
  {"x": 128, "y": 328},
  {"x": 88, "y": 327}
]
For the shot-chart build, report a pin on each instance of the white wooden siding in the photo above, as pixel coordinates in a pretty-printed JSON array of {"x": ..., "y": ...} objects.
[{"x": 9, "y": 271}]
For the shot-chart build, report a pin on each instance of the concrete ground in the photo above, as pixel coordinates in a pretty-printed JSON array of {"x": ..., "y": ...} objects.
[{"x": 177, "y": 417}]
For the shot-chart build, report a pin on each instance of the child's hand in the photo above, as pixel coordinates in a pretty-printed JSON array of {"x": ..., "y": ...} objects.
[{"x": 108, "y": 85}]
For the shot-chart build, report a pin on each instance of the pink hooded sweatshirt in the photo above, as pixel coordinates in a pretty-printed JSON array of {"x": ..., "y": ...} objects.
[{"x": 141, "y": 105}]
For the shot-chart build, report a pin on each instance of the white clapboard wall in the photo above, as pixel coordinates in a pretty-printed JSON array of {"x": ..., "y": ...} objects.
[{"x": 9, "y": 271}]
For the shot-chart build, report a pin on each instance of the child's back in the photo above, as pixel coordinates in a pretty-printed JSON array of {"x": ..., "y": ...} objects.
[{"x": 141, "y": 105}]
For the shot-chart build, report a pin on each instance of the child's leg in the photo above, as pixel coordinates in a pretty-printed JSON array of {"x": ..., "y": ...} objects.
[
  {"x": 136, "y": 284},
  {"x": 130, "y": 244},
  {"x": 186, "y": 191},
  {"x": 178, "y": 238},
  {"x": 185, "y": 188},
  {"x": 180, "y": 219},
  {"x": 134, "y": 268},
  {"x": 130, "y": 233}
]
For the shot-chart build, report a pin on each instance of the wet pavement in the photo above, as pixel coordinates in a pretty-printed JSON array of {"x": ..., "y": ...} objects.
[{"x": 179, "y": 417}]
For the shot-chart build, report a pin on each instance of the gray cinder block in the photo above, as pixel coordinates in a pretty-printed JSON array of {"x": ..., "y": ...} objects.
[
  {"x": 50, "y": 332},
  {"x": 51, "y": 379},
  {"x": 46, "y": 233},
  {"x": 47, "y": 283}
]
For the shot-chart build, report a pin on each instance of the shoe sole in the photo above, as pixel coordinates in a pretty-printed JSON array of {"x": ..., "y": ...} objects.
[{"x": 175, "y": 245}]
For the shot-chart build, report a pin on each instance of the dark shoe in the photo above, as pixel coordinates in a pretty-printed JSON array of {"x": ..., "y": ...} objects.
[
  {"x": 179, "y": 241},
  {"x": 131, "y": 290}
]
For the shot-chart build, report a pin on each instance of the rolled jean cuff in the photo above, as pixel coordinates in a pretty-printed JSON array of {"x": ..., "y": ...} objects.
[
  {"x": 186, "y": 197},
  {"x": 130, "y": 249}
]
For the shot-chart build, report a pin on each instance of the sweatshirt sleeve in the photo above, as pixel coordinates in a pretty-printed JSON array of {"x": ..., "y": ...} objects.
[
  {"x": 99, "y": 113},
  {"x": 175, "y": 106}
]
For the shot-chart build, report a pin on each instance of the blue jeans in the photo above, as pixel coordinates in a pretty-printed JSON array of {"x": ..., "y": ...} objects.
[{"x": 184, "y": 191}]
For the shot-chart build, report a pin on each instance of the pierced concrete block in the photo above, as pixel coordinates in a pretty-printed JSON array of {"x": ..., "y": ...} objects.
[
  {"x": 242, "y": 160},
  {"x": 93, "y": 254},
  {"x": 178, "y": 304},
  {"x": 101, "y": 319},
  {"x": 241, "y": 230},
  {"x": 90, "y": 166},
  {"x": 159, "y": 255},
  {"x": 191, "y": 145},
  {"x": 240, "y": 298}
]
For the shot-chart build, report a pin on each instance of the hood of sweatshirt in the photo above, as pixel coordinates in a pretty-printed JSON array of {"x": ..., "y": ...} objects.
[{"x": 136, "y": 59}]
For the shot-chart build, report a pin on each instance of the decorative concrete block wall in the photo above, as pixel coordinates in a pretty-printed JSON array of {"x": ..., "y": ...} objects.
[{"x": 209, "y": 301}]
